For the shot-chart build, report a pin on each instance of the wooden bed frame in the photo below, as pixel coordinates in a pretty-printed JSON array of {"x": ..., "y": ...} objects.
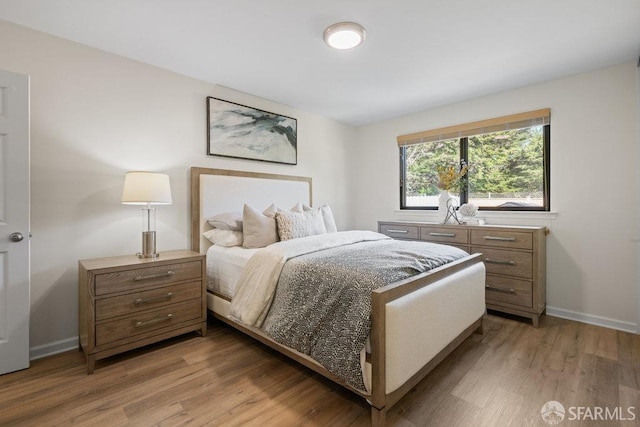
[{"x": 379, "y": 399}]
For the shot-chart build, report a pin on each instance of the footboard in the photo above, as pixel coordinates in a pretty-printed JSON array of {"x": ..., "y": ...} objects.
[
  {"x": 415, "y": 326},
  {"x": 416, "y": 323}
]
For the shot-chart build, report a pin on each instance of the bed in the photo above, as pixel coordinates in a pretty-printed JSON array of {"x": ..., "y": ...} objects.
[{"x": 447, "y": 301}]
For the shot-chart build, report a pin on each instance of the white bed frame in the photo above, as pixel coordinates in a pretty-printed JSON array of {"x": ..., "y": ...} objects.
[{"x": 448, "y": 302}]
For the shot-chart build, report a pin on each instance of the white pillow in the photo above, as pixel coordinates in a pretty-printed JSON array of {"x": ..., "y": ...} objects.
[
  {"x": 258, "y": 229},
  {"x": 327, "y": 217},
  {"x": 227, "y": 221},
  {"x": 293, "y": 225},
  {"x": 226, "y": 238}
]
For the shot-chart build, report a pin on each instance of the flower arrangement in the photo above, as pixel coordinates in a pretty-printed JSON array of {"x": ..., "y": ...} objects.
[
  {"x": 449, "y": 178},
  {"x": 468, "y": 210}
]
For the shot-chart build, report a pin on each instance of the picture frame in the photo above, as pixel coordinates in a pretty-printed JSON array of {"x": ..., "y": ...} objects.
[{"x": 239, "y": 131}]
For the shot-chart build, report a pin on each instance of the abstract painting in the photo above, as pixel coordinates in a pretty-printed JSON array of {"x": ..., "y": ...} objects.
[{"x": 239, "y": 131}]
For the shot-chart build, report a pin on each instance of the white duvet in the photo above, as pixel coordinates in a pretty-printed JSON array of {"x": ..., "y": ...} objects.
[{"x": 257, "y": 284}]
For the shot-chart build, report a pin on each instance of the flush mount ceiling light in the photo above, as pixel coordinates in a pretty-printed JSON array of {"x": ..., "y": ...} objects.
[{"x": 344, "y": 35}]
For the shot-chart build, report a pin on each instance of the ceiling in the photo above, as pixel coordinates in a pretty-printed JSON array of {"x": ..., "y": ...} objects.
[{"x": 418, "y": 54}]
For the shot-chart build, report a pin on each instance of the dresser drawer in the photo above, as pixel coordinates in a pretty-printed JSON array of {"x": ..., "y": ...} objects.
[
  {"x": 502, "y": 239},
  {"x": 138, "y": 301},
  {"x": 511, "y": 263},
  {"x": 515, "y": 259},
  {"x": 444, "y": 234},
  {"x": 148, "y": 321},
  {"x": 463, "y": 247},
  {"x": 400, "y": 231},
  {"x": 142, "y": 277},
  {"x": 505, "y": 290}
]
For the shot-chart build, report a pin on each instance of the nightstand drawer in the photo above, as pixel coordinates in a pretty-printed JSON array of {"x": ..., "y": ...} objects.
[
  {"x": 502, "y": 239},
  {"x": 444, "y": 234},
  {"x": 400, "y": 231},
  {"x": 135, "y": 302},
  {"x": 511, "y": 263},
  {"x": 511, "y": 291},
  {"x": 142, "y": 277},
  {"x": 148, "y": 321}
]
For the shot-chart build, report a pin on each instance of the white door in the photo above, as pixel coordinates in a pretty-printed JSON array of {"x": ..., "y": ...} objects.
[{"x": 14, "y": 222}]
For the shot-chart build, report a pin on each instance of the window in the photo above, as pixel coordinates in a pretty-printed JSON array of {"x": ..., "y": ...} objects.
[{"x": 508, "y": 160}]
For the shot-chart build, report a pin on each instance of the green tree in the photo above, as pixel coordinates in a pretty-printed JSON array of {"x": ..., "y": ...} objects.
[
  {"x": 422, "y": 161},
  {"x": 506, "y": 163}
]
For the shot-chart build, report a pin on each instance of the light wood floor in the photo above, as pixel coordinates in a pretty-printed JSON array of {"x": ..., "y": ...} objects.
[{"x": 500, "y": 378}]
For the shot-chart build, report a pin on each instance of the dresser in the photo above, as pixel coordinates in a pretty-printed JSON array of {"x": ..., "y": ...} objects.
[
  {"x": 126, "y": 302},
  {"x": 514, "y": 257}
]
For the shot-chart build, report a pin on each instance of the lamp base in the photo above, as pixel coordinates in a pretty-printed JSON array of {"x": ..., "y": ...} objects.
[
  {"x": 151, "y": 256},
  {"x": 148, "y": 245}
]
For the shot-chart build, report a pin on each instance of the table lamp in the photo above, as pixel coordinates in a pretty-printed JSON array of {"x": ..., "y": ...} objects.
[{"x": 147, "y": 188}]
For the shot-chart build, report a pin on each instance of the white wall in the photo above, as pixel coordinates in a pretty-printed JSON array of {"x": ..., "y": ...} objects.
[
  {"x": 95, "y": 116},
  {"x": 638, "y": 180},
  {"x": 593, "y": 246}
]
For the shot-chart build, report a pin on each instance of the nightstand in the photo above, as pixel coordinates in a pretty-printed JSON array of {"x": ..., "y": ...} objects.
[{"x": 127, "y": 302}]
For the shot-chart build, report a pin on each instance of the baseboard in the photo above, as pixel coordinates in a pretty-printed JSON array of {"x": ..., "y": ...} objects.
[
  {"x": 40, "y": 351},
  {"x": 49, "y": 349},
  {"x": 594, "y": 320}
]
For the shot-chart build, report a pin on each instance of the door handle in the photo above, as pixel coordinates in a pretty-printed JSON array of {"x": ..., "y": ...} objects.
[{"x": 16, "y": 237}]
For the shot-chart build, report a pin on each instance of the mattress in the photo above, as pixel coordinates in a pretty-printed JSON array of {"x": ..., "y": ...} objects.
[{"x": 224, "y": 267}]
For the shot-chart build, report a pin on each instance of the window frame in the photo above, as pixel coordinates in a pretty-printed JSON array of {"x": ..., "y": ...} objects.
[{"x": 464, "y": 190}]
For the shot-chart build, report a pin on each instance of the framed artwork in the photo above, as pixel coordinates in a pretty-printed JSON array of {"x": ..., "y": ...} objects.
[{"x": 243, "y": 132}]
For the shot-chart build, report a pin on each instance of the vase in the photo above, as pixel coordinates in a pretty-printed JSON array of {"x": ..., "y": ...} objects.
[{"x": 443, "y": 201}]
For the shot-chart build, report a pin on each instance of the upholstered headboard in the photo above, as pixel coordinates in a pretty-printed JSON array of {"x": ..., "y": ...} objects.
[{"x": 215, "y": 191}]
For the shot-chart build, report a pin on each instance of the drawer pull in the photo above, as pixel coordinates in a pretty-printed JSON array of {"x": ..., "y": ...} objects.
[
  {"x": 397, "y": 231},
  {"x": 506, "y": 291},
  {"x": 443, "y": 234},
  {"x": 499, "y": 261},
  {"x": 501, "y": 239},
  {"x": 154, "y": 276},
  {"x": 153, "y": 321},
  {"x": 139, "y": 301}
]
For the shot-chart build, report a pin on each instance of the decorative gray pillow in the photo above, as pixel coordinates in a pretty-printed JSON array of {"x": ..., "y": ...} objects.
[
  {"x": 258, "y": 229},
  {"x": 227, "y": 221},
  {"x": 271, "y": 210},
  {"x": 298, "y": 207},
  {"x": 327, "y": 217},
  {"x": 293, "y": 225}
]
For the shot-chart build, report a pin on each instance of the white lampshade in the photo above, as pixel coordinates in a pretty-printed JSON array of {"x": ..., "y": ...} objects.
[
  {"x": 344, "y": 35},
  {"x": 142, "y": 188}
]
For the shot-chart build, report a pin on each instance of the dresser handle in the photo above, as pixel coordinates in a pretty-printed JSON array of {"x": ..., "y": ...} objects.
[
  {"x": 153, "y": 321},
  {"x": 155, "y": 276},
  {"x": 148, "y": 300},
  {"x": 501, "y": 239},
  {"x": 499, "y": 261},
  {"x": 397, "y": 231},
  {"x": 443, "y": 234},
  {"x": 506, "y": 291}
]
